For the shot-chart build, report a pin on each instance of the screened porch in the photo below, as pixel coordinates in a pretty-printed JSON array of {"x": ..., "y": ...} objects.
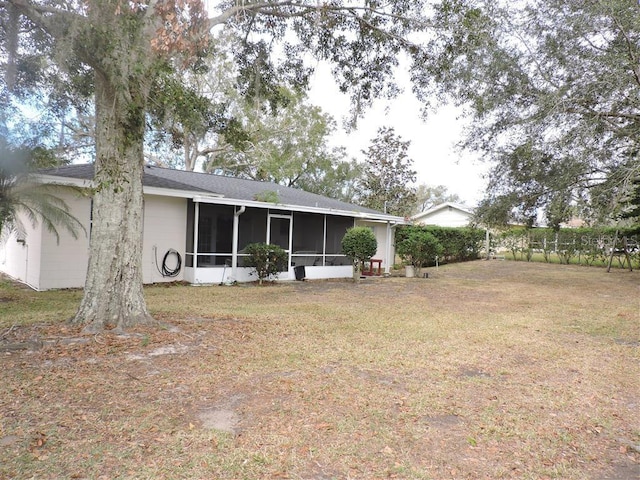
[{"x": 218, "y": 234}]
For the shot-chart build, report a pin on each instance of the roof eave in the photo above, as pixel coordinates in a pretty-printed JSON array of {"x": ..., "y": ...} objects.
[
  {"x": 63, "y": 181},
  {"x": 85, "y": 183},
  {"x": 301, "y": 208},
  {"x": 169, "y": 192},
  {"x": 437, "y": 208}
]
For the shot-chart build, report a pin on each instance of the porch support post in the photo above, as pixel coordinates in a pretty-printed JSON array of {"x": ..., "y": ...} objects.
[
  {"x": 196, "y": 224},
  {"x": 387, "y": 266},
  {"x": 234, "y": 243},
  {"x": 487, "y": 242}
]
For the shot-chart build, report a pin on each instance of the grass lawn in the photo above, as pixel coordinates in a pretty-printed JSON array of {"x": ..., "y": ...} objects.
[{"x": 485, "y": 370}]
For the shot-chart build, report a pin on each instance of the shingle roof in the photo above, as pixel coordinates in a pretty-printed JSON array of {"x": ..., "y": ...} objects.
[
  {"x": 228, "y": 187},
  {"x": 85, "y": 172}
]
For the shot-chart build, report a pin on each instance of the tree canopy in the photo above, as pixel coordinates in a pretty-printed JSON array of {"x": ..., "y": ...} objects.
[
  {"x": 553, "y": 87},
  {"x": 429, "y": 196},
  {"x": 631, "y": 210},
  {"x": 204, "y": 121},
  {"x": 387, "y": 179},
  {"x": 288, "y": 146}
]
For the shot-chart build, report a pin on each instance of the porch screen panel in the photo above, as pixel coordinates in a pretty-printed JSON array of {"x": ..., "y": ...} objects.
[
  {"x": 190, "y": 223},
  {"x": 252, "y": 227},
  {"x": 308, "y": 239},
  {"x": 336, "y": 228},
  {"x": 215, "y": 235}
]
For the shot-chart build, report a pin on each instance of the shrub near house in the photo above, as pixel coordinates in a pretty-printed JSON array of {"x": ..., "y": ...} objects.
[
  {"x": 458, "y": 244},
  {"x": 419, "y": 248},
  {"x": 359, "y": 244},
  {"x": 266, "y": 259}
]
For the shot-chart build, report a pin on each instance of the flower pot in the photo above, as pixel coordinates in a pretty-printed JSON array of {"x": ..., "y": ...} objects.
[{"x": 409, "y": 271}]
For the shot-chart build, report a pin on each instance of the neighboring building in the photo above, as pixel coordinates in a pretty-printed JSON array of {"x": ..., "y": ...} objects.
[
  {"x": 445, "y": 215},
  {"x": 208, "y": 220},
  {"x": 574, "y": 222}
]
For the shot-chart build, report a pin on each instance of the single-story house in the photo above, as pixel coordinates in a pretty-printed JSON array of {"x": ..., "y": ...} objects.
[
  {"x": 205, "y": 221},
  {"x": 446, "y": 214}
]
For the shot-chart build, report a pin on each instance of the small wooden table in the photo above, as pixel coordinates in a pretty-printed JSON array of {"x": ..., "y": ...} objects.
[{"x": 375, "y": 267}]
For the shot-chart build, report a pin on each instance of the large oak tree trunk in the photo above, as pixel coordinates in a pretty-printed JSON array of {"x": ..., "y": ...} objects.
[{"x": 113, "y": 294}]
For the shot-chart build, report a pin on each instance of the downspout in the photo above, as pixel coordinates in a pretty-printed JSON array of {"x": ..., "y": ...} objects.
[
  {"x": 26, "y": 264},
  {"x": 26, "y": 268},
  {"x": 234, "y": 245}
]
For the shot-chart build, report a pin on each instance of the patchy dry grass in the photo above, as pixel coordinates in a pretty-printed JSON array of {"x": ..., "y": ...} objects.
[{"x": 486, "y": 370}]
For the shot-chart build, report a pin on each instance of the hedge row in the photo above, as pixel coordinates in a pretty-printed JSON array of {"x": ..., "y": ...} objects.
[
  {"x": 458, "y": 244},
  {"x": 586, "y": 246}
]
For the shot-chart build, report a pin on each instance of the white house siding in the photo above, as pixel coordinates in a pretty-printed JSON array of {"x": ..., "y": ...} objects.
[
  {"x": 217, "y": 275},
  {"x": 165, "y": 220},
  {"x": 15, "y": 257},
  {"x": 323, "y": 273},
  {"x": 380, "y": 231},
  {"x": 64, "y": 263},
  {"x": 447, "y": 217},
  {"x": 223, "y": 275},
  {"x": 45, "y": 264}
]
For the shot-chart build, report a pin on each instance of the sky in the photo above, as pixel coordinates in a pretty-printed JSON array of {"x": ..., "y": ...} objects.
[{"x": 432, "y": 147}]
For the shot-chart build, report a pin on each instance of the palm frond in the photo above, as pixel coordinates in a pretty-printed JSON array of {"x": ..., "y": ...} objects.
[
  {"x": 41, "y": 205},
  {"x": 19, "y": 194}
]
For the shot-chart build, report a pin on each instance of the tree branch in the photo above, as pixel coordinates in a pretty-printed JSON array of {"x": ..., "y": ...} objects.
[
  {"x": 236, "y": 10},
  {"x": 635, "y": 62},
  {"x": 212, "y": 150},
  {"x": 37, "y": 14},
  {"x": 597, "y": 113},
  {"x": 274, "y": 9}
]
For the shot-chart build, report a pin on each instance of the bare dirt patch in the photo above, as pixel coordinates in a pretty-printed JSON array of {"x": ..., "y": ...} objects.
[{"x": 482, "y": 371}]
